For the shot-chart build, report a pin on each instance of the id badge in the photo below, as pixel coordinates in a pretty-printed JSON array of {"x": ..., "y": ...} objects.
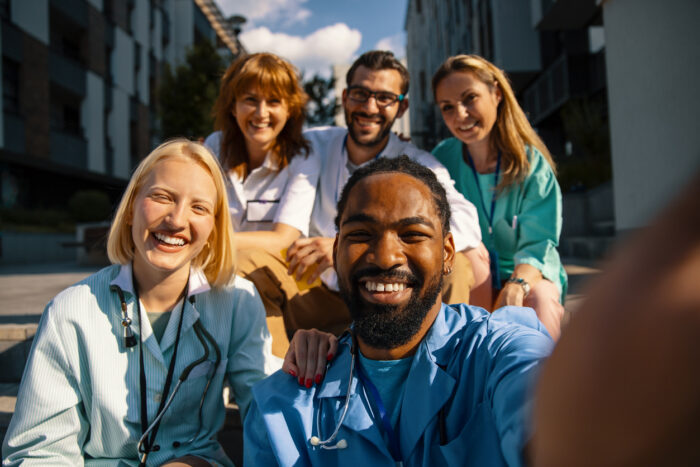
[{"x": 260, "y": 210}]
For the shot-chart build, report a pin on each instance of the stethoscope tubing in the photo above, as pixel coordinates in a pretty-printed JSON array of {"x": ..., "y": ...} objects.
[{"x": 203, "y": 336}]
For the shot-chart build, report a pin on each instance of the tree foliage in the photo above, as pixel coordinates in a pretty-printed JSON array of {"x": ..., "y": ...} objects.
[
  {"x": 323, "y": 104},
  {"x": 187, "y": 93}
]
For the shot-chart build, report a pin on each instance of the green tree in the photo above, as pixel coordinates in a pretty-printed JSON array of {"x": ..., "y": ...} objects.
[
  {"x": 187, "y": 93},
  {"x": 322, "y": 105}
]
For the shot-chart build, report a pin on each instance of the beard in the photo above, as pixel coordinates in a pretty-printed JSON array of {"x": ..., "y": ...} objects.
[
  {"x": 384, "y": 130},
  {"x": 384, "y": 326}
]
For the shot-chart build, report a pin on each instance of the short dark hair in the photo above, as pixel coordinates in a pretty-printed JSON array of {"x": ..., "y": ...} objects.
[
  {"x": 404, "y": 165},
  {"x": 377, "y": 60}
]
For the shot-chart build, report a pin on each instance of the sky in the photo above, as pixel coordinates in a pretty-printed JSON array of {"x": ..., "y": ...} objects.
[{"x": 315, "y": 34}]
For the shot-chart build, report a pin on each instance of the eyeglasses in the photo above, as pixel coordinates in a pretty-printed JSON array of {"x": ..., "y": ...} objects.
[{"x": 383, "y": 98}]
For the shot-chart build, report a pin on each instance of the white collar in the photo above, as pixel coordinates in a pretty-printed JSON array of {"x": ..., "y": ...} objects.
[{"x": 197, "y": 283}]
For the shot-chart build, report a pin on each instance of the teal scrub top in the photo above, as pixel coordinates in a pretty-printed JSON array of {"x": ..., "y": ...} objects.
[{"x": 527, "y": 217}]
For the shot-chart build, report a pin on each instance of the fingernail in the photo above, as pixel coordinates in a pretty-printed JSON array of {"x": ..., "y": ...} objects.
[
  {"x": 301, "y": 380},
  {"x": 293, "y": 373},
  {"x": 308, "y": 383},
  {"x": 329, "y": 357},
  {"x": 318, "y": 379}
]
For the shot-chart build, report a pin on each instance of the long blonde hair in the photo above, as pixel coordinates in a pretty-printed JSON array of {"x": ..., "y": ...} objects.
[
  {"x": 512, "y": 131},
  {"x": 217, "y": 258}
]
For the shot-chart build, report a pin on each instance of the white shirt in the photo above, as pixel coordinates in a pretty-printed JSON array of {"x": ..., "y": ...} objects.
[
  {"x": 270, "y": 195},
  {"x": 328, "y": 144}
]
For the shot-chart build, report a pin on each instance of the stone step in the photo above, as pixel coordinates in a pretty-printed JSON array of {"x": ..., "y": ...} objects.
[
  {"x": 587, "y": 247},
  {"x": 15, "y": 343}
]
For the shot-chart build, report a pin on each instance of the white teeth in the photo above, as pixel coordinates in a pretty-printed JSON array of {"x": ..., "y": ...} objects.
[
  {"x": 468, "y": 127},
  {"x": 259, "y": 125},
  {"x": 382, "y": 287},
  {"x": 169, "y": 240}
]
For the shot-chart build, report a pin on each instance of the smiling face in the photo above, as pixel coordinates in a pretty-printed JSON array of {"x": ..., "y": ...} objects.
[
  {"x": 468, "y": 105},
  {"x": 261, "y": 118},
  {"x": 369, "y": 124},
  {"x": 389, "y": 255},
  {"x": 172, "y": 218}
]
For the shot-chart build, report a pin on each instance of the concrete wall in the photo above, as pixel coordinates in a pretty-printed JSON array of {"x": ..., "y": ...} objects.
[
  {"x": 26, "y": 247},
  {"x": 653, "y": 63},
  {"x": 32, "y": 17},
  {"x": 92, "y": 115},
  {"x": 512, "y": 25},
  {"x": 183, "y": 27},
  {"x": 118, "y": 127}
]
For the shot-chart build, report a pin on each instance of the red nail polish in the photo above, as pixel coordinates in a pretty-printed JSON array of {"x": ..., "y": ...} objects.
[
  {"x": 318, "y": 379},
  {"x": 293, "y": 373},
  {"x": 301, "y": 380},
  {"x": 329, "y": 357},
  {"x": 308, "y": 383}
]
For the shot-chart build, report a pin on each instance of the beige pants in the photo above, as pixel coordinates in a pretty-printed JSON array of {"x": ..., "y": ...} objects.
[{"x": 289, "y": 307}]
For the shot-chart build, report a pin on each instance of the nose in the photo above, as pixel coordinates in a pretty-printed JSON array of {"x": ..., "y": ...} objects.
[
  {"x": 262, "y": 109},
  {"x": 177, "y": 217},
  {"x": 386, "y": 252},
  {"x": 371, "y": 105},
  {"x": 462, "y": 110}
]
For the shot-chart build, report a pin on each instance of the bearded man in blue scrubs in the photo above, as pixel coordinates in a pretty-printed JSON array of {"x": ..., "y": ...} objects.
[{"x": 416, "y": 382}]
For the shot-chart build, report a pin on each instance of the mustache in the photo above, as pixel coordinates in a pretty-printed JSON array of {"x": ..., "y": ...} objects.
[
  {"x": 366, "y": 115},
  {"x": 386, "y": 275}
]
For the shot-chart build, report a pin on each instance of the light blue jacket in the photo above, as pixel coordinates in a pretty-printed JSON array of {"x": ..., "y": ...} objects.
[
  {"x": 479, "y": 367},
  {"x": 79, "y": 401}
]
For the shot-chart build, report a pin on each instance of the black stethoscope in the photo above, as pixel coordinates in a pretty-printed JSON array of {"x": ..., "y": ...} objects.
[
  {"x": 373, "y": 393},
  {"x": 146, "y": 443}
]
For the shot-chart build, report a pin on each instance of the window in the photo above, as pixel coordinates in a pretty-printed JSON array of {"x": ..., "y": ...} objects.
[{"x": 10, "y": 86}]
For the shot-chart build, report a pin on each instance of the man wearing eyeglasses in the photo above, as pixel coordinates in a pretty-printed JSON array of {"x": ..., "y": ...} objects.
[{"x": 376, "y": 95}]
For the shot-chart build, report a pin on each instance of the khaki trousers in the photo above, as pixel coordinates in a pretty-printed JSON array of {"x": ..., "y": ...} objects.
[{"x": 290, "y": 307}]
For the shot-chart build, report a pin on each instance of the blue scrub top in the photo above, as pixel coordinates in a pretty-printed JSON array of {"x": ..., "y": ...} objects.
[{"x": 479, "y": 367}]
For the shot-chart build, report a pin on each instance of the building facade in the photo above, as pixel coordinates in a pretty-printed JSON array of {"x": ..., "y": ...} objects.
[
  {"x": 79, "y": 81},
  {"x": 608, "y": 84}
]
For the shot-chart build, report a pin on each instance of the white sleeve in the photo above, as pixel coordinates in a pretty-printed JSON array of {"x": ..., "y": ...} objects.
[
  {"x": 464, "y": 222},
  {"x": 297, "y": 201},
  {"x": 48, "y": 426}
]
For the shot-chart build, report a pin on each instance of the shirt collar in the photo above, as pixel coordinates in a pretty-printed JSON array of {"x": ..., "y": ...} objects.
[{"x": 197, "y": 283}]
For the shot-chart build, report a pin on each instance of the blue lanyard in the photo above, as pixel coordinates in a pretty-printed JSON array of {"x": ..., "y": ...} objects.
[
  {"x": 493, "y": 254},
  {"x": 386, "y": 422}
]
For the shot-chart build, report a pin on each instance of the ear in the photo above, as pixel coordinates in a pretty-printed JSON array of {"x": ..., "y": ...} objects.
[
  {"x": 403, "y": 107},
  {"x": 448, "y": 252},
  {"x": 344, "y": 98},
  {"x": 335, "y": 251}
]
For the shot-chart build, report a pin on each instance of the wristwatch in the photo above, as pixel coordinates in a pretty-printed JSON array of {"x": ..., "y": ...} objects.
[{"x": 523, "y": 283}]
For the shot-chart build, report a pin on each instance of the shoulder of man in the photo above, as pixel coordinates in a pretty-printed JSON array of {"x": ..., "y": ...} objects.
[{"x": 324, "y": 134}]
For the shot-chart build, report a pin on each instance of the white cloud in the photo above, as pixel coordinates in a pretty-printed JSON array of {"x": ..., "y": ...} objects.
[
  {"x": 266, "y": 11},
  {"x": 315, "y": 53},
  {"x": 395, "y": 43}
]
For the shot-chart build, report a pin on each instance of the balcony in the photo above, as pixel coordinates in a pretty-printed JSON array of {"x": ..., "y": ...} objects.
[
  {"x": 68, "y": 149},
  {"x": 67, "y": 73},
  {"x": 568, "y": 76},
  {"x": 561, "y": 15},
  {"x": 74, "y": 10}
]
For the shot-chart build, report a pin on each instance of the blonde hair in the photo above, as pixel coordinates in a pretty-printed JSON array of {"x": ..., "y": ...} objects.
[
  {"x": 274, "y": 77},
  {"x": 217, "y": 258},
  {"x": 512, "y": 131}
]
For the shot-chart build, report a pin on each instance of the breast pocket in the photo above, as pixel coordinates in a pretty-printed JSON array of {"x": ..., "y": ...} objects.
[{"x": 259, "y": 210}]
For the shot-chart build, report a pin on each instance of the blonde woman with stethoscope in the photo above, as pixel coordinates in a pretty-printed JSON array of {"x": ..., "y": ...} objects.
[{"x": 128, "y": 365}]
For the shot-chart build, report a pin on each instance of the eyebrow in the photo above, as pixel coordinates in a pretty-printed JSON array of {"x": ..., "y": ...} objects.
[
  {"x": 407, "y": 221},
  {"x": 461, "y": 96}
]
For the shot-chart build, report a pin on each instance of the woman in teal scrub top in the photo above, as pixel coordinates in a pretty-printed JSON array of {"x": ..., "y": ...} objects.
[{"x": 500, "y": 164}]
